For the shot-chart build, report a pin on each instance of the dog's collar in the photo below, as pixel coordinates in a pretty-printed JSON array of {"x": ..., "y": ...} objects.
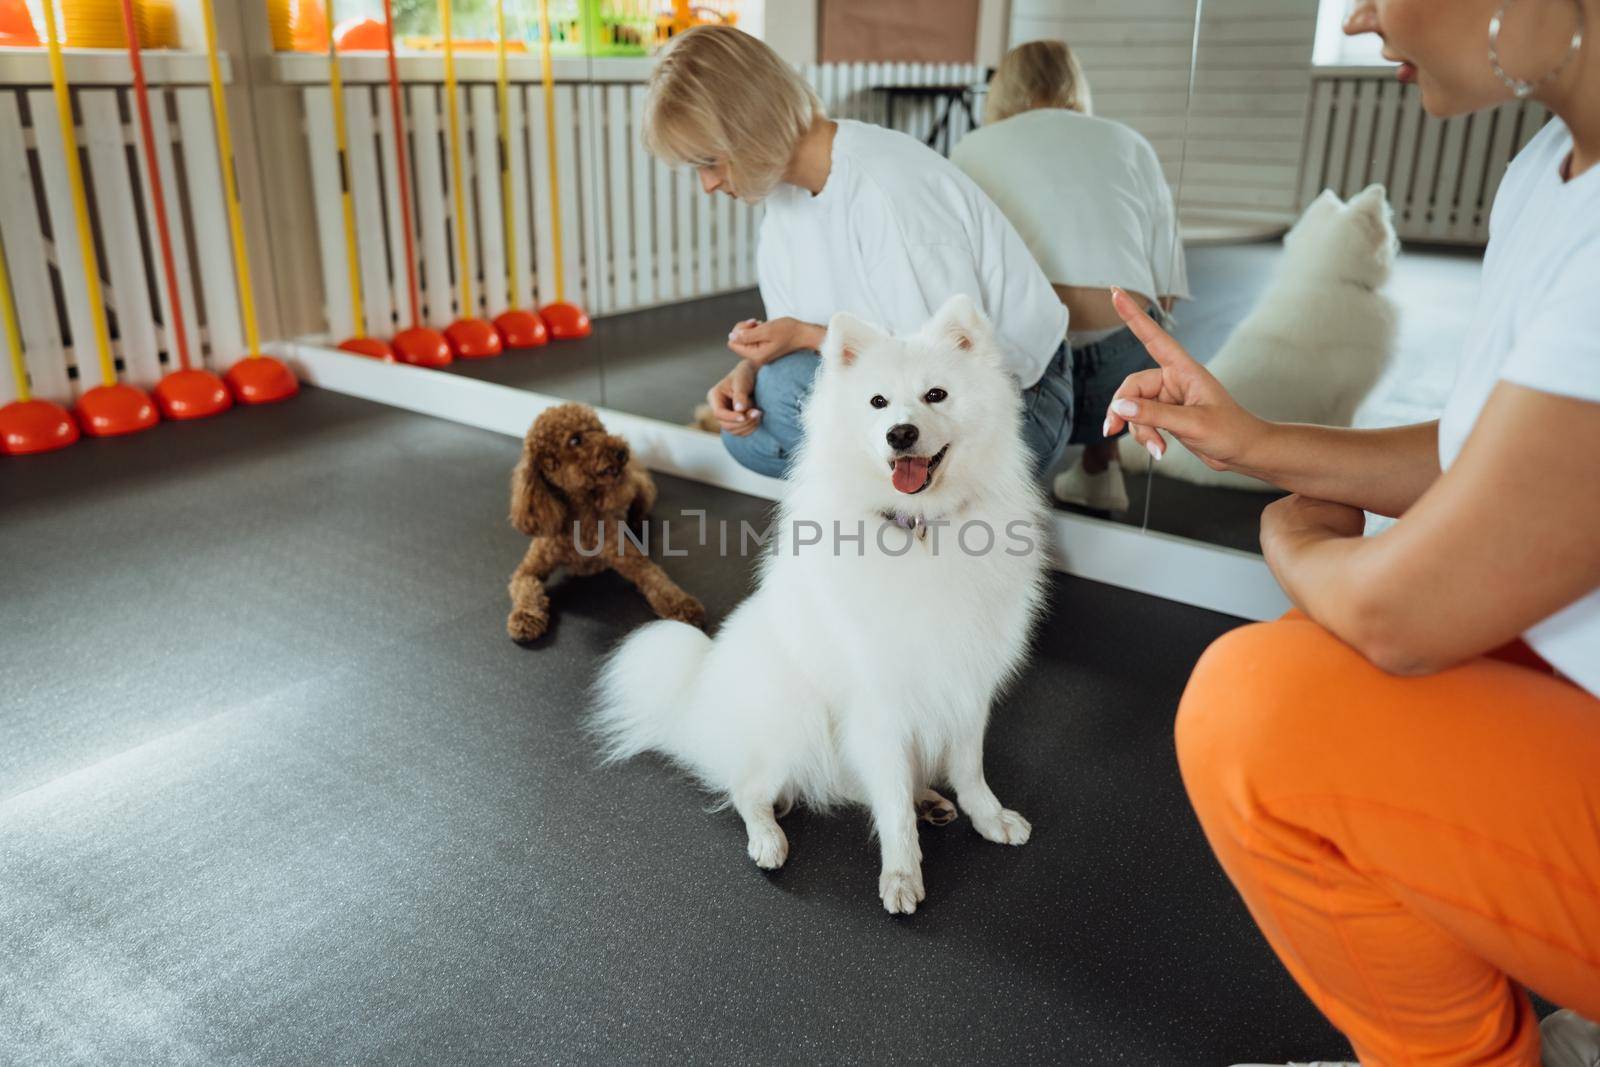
[{"x": 917, "y": 524}]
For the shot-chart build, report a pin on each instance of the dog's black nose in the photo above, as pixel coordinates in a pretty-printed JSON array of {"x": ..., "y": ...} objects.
[
  {"x": 902, "y": 437},
  {"x": 622, "y": 457}
]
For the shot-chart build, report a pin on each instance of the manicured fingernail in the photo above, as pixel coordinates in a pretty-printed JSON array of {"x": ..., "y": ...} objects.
[
  {"x": 1126, "y": 408},
  {"x": 738, "y": 405},
  {"x": 1154, "y": 449},
  {"x": 755, "y": 413},
  {"x": 1105, "y": 427}
]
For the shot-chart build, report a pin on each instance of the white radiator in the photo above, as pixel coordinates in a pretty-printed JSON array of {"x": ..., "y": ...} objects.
[
  {"x": 1441, "y": 173},
  {"x": 634, "y": 233},
  {"x": 41, "y": 242}
]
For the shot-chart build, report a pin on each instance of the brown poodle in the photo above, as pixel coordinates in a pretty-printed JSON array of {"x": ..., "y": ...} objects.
[{"x": 575, "y": 484}]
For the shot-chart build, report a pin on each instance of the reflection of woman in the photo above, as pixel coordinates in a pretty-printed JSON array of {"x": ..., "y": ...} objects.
[
  {"x": 858, "y": 219},
  {"x": 1089, "y": 198},
  {"x": 1405, "y": 794}
]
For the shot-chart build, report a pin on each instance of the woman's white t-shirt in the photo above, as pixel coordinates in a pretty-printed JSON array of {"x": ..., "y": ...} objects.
[
  {"x": 1086, "y": 194},
  {"x": 1538, "y": 325},
  {"x": 894, "y": 233}
]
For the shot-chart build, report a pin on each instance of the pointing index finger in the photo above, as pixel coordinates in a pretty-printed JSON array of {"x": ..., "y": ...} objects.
[{"x": 1162, "y": 348}]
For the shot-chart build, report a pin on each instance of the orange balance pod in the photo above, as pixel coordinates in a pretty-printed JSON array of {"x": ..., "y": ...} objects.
[
  {"x": 29, "y": 426},
  {"x": 370, "y": 347},
  {"x": 261, "y": 380},
  {"x": 114, "y": 410},
  {"x": 472, "y": 339},
  {"x": 192, "y": 394},
  {"x": 521, "y": 329},
  {"x": 565, "y": 321},
  {"x": 422, "y": 346},
  {"x": 361, "y": 35},
  {"x": 16, "y": 28}
]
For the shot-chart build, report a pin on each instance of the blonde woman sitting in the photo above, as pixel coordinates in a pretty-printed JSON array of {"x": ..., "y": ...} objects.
[{"x": 1088, "y": 197}]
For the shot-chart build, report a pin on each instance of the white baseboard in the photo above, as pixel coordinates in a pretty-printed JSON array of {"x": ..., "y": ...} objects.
[{"x": 1174, "y": 568}]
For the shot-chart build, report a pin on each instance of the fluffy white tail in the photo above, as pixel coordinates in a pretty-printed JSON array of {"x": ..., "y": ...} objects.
[
  {"x": 645, "y": 686},
  {"x": 1180, "y": 463}
]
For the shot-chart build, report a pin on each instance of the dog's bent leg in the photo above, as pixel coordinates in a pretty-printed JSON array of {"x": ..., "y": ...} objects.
[
  {"x": 530, "y": 607},
  {"x": 883, "y": 766},
  {"x": 664, "y": 595},
  {"x": 965, "y": 769},
  {"x": 768, "y": 846}
]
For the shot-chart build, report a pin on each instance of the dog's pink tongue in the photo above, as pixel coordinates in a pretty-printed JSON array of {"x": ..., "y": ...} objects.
[{"x": 910, "y": 473}]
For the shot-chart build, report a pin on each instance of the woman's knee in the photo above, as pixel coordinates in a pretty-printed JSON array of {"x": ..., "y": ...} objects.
[
  {"x": 758, "y": 451},
  {"x": 1258, "y": 700}
]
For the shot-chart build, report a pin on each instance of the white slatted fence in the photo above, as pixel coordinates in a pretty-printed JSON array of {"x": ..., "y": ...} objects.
[
  {"x": 635, "y": 234},
  {"x": 1441, "y": 174},
  {"x": 41, "y": 243}
]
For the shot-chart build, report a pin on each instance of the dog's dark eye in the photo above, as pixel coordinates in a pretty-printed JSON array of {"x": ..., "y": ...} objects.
[
  {"x": 933, "y": 396},
  {"x": 879, "y": 402},
  {"x": 575, "y": 440}
]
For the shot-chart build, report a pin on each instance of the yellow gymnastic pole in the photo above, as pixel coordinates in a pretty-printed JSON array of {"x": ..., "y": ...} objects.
[
  {"x": 80, "y": 203},
  {"x": 550, "y": 144},
  {"x": 8, "y": 311},
  {"x": 503, "y": 102},
  {"x": 256, "y": 379},
  {"x": 341, "y": 139},
  {"x": 459, "y": 195},
  {"x": 563, "y": 319},
  {"x": 230, "y": 185}
]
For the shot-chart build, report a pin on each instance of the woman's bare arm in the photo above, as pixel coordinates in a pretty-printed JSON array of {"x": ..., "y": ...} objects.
[
  {"x": 1384, "y": 471},
  {"x": 1505, "y": 538}
]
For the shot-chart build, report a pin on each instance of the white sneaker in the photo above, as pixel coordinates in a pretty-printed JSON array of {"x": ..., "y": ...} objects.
[
  {"x": 1105, "y": 491},
  {"x": 1570, "y": 1040}
]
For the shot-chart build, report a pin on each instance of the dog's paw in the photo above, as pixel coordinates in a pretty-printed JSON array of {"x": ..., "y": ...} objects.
[
  {"x": 525, "y": 626},
  {"x": 935, "y": 809},
  {"x": 769, "y": 848},
  {"x": 1004, "y": 828},
  {"x": 684, "y": 608},
  {"x": 901, "y": 891}
]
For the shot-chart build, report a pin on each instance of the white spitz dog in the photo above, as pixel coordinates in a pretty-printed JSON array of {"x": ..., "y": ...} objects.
[
  {"x": 899, "y": 601},
  {"x": 1317, "y": 340}
]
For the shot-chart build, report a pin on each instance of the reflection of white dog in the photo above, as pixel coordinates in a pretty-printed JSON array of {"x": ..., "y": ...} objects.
[
  {"x": 1318, "y": 339},
  {"x": 900, "y": 600}
]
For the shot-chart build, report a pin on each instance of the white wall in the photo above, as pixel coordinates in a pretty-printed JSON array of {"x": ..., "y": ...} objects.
[{"x": 1252, "y": 80}]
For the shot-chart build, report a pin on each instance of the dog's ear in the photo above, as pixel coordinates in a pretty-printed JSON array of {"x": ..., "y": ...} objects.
[
  {"x": 1371, "y": 206},
  {"x": 959, "y": 322},
  {"x": 536, "y": 509},
  {"x": 847, "y": 336}
]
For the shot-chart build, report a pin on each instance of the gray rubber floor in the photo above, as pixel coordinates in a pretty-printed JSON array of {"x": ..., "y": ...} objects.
[{"x": 276, "y": 788}]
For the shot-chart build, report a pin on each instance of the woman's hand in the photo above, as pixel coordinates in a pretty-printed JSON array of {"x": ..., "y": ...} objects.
[
  {"x": 762, "y": 342},
  {"x": 1178, "y": 396},
  {"x": 1296, "y": 519},
  {"x": 730, "y": 400}
]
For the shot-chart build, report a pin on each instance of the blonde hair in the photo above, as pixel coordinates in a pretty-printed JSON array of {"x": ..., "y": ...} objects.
[
  {"x": 1037, "y": 74},
  {"x": 718, "y": 95}
]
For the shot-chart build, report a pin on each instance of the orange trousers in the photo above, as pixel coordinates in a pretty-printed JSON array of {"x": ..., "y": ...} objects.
[{"x": 1416, "y": 850}]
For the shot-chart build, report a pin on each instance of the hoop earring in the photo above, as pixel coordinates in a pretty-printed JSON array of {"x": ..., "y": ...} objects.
[{"x": 1524, "y": 89}]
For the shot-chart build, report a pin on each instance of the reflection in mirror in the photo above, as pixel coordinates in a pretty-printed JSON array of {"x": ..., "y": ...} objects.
[
  {"x": 1334, "y": 238},
  {"x": 674, "y": 270},
  {"x": 1082, "y": 148},
  {"x": 449, "y": 246}
]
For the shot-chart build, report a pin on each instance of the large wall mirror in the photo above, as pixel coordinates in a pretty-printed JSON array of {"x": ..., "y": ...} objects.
[
  {"x": 1269, "y": 187},
  {"x": 1334, "y": 236}
]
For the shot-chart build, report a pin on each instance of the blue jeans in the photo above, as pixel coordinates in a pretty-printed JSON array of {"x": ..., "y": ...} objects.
[{"x": 1067, "y": 405}]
